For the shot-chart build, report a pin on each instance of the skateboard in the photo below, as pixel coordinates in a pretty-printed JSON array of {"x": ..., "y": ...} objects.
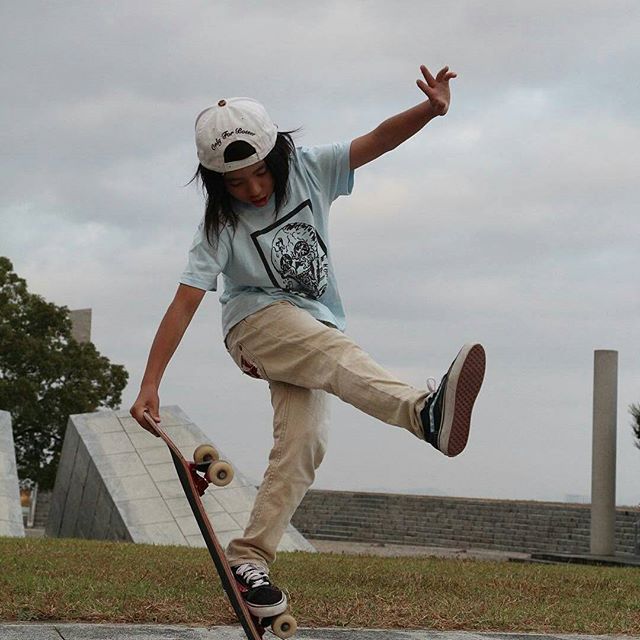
[{"x": 195, "y": 476}]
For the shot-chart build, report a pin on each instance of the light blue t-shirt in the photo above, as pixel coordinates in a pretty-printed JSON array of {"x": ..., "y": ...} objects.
[{"x": 283, "y": 258}]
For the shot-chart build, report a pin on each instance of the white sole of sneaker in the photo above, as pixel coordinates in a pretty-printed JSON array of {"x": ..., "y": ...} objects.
[
  {"x": 268, "y": 611},
  {"x": 463, "y": 385}
]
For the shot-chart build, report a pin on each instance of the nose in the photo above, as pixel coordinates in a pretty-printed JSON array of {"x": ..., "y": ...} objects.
[{"x": 254, "y": 188}]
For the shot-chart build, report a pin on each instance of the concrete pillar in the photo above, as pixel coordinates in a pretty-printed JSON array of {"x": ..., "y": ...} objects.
[
  {"x": 81, "y": 325},
  {"x": 603, "y": 465},
  {"x": 10, "y": 509}
]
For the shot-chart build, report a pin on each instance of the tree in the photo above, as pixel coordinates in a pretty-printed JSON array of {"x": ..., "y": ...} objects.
[
  {"x": 634, "y": 410},
  {"x": 45, "y": 376}
]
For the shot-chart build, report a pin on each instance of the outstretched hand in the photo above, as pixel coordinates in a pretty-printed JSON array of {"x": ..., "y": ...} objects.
[{"x": 437, "y": 89}]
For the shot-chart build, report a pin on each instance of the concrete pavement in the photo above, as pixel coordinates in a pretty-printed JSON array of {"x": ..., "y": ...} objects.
[{"x": 66, "y": 631}]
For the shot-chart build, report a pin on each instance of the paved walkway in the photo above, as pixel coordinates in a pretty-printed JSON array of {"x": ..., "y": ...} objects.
[
  {"x": 60, "y": 631},
  {"x": 398, "y": 550},
  {"x": 401, "y": 550}
]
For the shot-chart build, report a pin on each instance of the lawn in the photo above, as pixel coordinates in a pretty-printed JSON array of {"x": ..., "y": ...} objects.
[{"x": 90, "y": 581}]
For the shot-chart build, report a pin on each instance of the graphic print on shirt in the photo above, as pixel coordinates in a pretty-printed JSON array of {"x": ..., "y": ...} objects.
[{"x": 293, "y": 253}]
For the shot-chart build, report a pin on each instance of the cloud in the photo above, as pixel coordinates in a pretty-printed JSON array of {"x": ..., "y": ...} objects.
[{"x": 512, "y": 220}]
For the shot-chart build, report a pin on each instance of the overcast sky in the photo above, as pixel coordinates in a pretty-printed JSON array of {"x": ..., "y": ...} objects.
[{"x": 512, "y": 221}]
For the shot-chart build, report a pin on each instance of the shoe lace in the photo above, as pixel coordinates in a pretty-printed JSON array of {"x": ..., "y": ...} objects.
[
  {"x": 254, "y": 575},
  {"x": 432, "y": 385}
]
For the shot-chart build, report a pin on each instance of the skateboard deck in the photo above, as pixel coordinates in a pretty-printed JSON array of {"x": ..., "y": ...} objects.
[{"x": 194, "y": 486}]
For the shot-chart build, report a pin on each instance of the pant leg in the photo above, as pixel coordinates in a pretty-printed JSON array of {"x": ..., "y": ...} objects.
[
  {"x": 300, "y": 432},
  {"x": 302, "y": 358},
  {"x": 286, "y": 344}
]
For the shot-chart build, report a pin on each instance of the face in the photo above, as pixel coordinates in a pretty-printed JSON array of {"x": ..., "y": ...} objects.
[{"x": 251, "y": 185}]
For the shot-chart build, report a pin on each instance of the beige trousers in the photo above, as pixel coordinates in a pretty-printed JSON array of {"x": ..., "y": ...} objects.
[{"x": 303, "y": 359}]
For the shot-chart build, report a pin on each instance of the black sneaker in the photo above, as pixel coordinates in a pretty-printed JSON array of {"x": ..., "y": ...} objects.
[
  {"x": 446, "y": 416},
  {"x": 263, "y": 599}
]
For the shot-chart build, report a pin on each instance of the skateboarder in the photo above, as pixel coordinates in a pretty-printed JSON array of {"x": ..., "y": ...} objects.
[{"x": 265, "y": 229}]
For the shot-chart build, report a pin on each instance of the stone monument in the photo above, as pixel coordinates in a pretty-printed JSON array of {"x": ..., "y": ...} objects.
[{"x": 117, "y": 482}]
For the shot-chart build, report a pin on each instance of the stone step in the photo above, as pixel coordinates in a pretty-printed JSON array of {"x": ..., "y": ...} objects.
[{"x": 498, "y": 524}]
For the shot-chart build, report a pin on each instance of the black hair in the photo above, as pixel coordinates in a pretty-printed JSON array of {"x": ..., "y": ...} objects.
[{"x": 218, "y": 210}]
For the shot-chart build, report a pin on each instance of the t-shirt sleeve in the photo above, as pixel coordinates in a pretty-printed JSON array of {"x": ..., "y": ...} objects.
[
  {"x": 205, "y": 262},
  {"x": 329, "y": 165}
]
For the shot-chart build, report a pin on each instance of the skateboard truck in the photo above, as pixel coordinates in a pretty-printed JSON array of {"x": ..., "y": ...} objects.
[
  {"x": 206, "y": 459},
  {"x": 198, "y": 480}
]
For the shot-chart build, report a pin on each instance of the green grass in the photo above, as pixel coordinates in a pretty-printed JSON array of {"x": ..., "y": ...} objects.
[{"x": 89, "y": 581}]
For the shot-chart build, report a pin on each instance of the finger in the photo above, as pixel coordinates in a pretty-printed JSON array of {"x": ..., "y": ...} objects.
[
  {"x": 442, "y": 73},
  {"x": 154, "y": 412},
  {"x": 150, "y": 424},
  {"x": 138, "y": 414},
  {"x": 425, "y": 88},
  {"x": 431, "y": 81}
]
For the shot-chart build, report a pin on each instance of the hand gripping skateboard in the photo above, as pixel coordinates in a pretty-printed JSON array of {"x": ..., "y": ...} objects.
[{"x": 195, "y": 477}]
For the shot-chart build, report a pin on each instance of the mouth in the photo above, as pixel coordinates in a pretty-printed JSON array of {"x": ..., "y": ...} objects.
[{"x": 260, "y": 202}]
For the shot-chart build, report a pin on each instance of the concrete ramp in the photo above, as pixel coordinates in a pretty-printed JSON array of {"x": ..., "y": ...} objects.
[
  {"x": 11, "y": 523},
  {"x": 117, "y": 482}
]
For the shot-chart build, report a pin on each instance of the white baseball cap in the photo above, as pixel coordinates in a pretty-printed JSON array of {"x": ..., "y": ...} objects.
[{"x": 231, "y": 120}]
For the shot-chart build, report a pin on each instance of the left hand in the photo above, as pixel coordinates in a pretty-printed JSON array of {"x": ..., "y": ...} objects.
[{"x": 437, "y": 89}]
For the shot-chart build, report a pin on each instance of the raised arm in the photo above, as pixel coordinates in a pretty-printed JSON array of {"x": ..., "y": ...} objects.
[
  {"x": 170, "y": 332},
  {"x": 395, "y": 130}
]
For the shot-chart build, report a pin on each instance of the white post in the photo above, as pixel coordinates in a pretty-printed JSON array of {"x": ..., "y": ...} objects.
[
  {"x": 603, "y": 465},
  {"x": 81, "y": 325}
]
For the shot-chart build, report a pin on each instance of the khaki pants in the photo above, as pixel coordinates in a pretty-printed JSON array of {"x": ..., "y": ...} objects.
[{"x": 303, "y": 359}]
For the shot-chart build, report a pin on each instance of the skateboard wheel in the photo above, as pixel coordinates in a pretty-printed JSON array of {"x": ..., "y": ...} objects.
[
  {"x": 220, "y": 473},
  {"x": 205, "y": 453},
  {"x": 284, "y": 626}
]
